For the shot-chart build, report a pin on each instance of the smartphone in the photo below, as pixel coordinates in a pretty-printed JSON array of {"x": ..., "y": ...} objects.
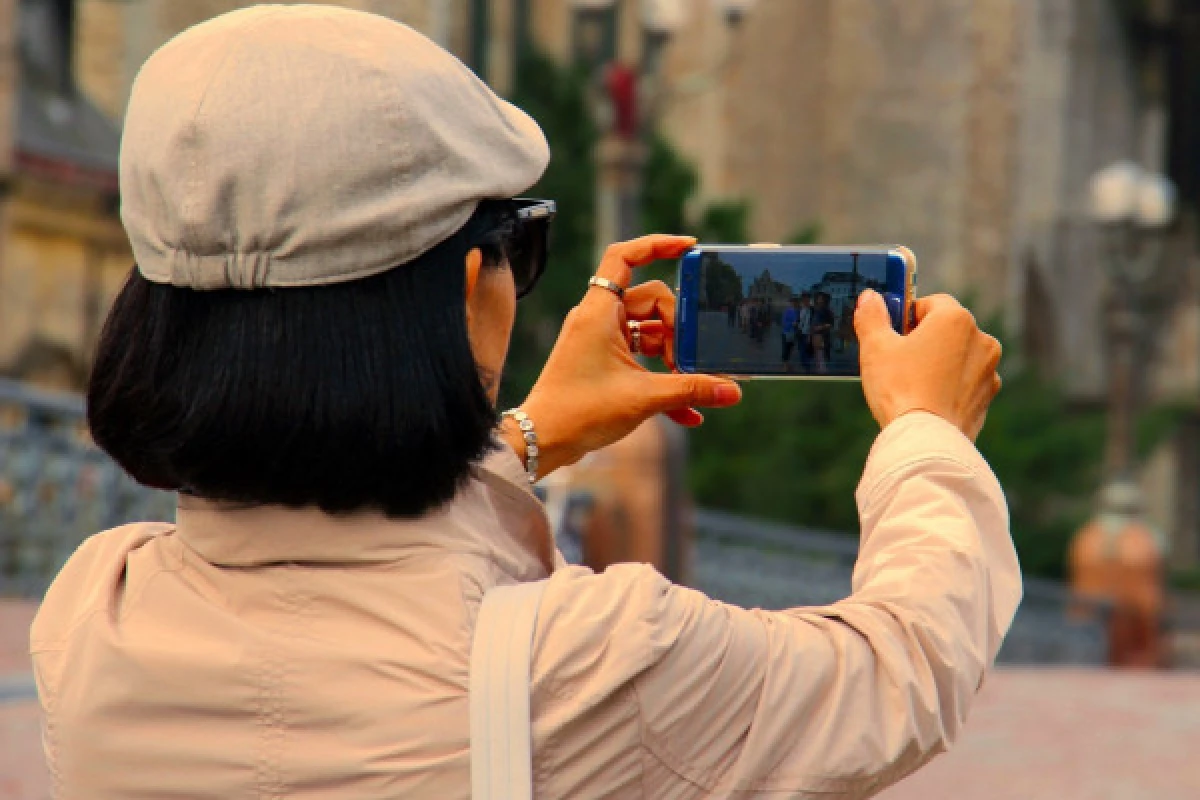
[{"x": 771, "y": 311}]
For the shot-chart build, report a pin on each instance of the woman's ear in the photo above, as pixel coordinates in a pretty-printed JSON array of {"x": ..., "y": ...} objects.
[{"x": 474, "y": 263}]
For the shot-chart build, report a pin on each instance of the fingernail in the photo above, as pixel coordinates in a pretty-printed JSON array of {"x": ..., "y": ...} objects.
[{"x": 727, "y": 394}]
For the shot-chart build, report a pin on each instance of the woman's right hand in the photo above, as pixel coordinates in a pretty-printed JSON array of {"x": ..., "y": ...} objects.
[
  {"x": 945, "y": 366},
  {"x": 592, "y": 390}
]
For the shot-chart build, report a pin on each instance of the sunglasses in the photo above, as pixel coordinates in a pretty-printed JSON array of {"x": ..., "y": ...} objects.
[{"x": 530, "y": 242}]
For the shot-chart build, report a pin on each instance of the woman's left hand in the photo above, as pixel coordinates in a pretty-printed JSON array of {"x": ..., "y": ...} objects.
[{"x": 592, "y": 391}]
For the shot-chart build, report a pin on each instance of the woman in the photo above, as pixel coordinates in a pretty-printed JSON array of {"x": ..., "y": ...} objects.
[{"x": 308, "y": 352}]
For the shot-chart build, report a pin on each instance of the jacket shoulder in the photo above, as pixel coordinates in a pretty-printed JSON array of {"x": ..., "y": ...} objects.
[
  {"x": 609, "y": 626},
  {"x": 93, "y": 579}
]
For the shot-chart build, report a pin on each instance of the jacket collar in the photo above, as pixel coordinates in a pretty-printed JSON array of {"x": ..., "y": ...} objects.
[{"x": 495, "y": 516}]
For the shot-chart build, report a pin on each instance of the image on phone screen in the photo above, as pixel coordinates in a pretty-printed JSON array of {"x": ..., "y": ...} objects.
[{"x": 781, "y": 313}]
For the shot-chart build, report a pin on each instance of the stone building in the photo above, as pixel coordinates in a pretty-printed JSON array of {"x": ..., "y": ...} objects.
[
  {"x": 66, "y": 67},
  {"x": 62, "y": 249},
  {"x": 966, "y": 129}
]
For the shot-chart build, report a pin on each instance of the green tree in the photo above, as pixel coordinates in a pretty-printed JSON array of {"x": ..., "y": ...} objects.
[
  {"x": 792, "y": 452},
  {"x": 722, "y": 285},
  {"x": 557, "y": 98}
]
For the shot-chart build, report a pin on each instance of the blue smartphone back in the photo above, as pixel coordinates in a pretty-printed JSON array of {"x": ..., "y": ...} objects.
[{"x": 783, "y": 312}]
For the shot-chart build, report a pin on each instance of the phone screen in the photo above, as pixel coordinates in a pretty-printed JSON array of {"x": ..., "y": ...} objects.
[{"x": 784, "y": 312}]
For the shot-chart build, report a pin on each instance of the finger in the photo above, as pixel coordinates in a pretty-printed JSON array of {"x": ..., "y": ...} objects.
[
  {"x": 652, "y": 346},
  {"x": 934, "y": 303},
  {"x": 650, "y": 332},
  {"x": 871, "y": 318},
  {"x": 687, "y": 417},
  {"x": 983, "y": 397},
  {"x": 983, "y": 352},
  {"x": 992, "y": 351},
  {"x": 652, "y": 327},
  {"x": 672, "y": 391},
  {"x": 651, "y": 300},
  {"x": 977, "y": 426},
  {"x": 621, "y": 257}
]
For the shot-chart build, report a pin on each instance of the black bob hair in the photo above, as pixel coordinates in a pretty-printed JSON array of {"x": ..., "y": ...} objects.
[{"x": 362, "y": 395}]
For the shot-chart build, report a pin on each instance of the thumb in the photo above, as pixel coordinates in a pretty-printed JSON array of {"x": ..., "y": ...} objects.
[
  {"x": 672, "y": 392},
  {"x": 871, "y": 318}
]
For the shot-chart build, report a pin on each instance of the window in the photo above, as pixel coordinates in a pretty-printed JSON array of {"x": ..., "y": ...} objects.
[{"x": 45, "y": 39}]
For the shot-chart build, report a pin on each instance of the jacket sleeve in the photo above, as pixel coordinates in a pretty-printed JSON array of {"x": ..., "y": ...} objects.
[{"x": 843, "y": 700}]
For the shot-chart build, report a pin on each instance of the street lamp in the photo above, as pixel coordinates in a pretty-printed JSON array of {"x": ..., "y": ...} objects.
[
  {"x": 734, "y": 10},
  {"x": 1132, "y": 208},
  {"x": 630, "y": 97},
  {"x": 644, "y": 524},
  {"x": 1124, "y": 193},
  {"x": 661, "y": 20},
  {"x": 1117, "y": 556},
  {"x": 664, "y": 17}
]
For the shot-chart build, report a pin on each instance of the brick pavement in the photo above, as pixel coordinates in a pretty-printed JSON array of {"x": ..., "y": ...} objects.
[
  {"x": 1070, "y": 734},
  {"x": 22, "y": 772},
  {"x": 15, "y": 617}
]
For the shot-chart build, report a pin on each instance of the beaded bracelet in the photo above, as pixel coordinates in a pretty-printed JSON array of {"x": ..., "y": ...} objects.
[{"x": 530, "y": 436}]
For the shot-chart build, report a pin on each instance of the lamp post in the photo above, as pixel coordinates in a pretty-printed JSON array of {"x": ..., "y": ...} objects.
[
  {"x": 637, "y": 500},
  {"x": 628, "y": 98},
  {"x": 1132, "y": 209},
  {"x": 1116, "y": 557}
]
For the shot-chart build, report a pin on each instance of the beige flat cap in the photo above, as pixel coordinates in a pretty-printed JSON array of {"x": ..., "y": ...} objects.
[{"x": 304, "y": 145}]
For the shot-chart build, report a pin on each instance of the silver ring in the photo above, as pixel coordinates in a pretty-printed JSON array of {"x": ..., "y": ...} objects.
[
  {"x": 605, "y": 283},
  {"x": 635, "y": 336}
]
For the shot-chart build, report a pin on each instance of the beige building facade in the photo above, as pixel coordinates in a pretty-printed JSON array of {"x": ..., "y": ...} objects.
[
  {"x": 966, "y": 129},
  {"x": 62, "y": 250}
]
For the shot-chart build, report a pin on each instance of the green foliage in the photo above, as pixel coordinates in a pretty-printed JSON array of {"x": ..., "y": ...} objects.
[
  {"x": 1185, "y": 580},
  {"x": 722, "y": 285},
  {"x": 557, "y": 98},
  {"x": 792, "y": 452},
  {"x": 723, "y": 222},
  {"x": 669, "y": 183},
  {"x": 809, "y": 233},
  {"x": 1048, "y": 458}
]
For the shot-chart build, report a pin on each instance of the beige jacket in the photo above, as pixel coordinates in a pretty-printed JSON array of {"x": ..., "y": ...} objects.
[{"x": 272, "y": 653}]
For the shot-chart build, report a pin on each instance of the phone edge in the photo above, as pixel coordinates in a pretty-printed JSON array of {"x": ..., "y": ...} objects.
[
  {"x": 686, "y": 331},
  {"x": 686, "y": 327}
]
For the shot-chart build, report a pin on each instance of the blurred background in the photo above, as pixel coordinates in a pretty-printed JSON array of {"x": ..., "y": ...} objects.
[{"x": 1041, "y": 157}]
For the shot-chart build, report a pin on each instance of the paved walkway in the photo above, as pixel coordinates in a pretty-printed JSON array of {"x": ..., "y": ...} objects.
[
  {"x": 1043, "y": 734},
  {"x": 1035, "y": 734},
  {"x": 22, "y": 772}
]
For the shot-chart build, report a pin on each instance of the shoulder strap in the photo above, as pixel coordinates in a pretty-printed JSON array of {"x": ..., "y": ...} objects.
[{"x": 501, "y": 753}]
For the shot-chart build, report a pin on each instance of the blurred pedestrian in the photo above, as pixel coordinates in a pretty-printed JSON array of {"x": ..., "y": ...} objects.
[
  {"x": 822, "y": 332},
  {"x": 790, "y": 318},
  {"x": 845, "y": 327},
  {"x": 804, "y": 332},
  {"x": 308, "y": 352}
]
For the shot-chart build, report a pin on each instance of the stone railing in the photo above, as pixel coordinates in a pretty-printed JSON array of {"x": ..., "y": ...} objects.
[
  {"x": 761, "y": 565},
  {"x": 56, "y": 488}
]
